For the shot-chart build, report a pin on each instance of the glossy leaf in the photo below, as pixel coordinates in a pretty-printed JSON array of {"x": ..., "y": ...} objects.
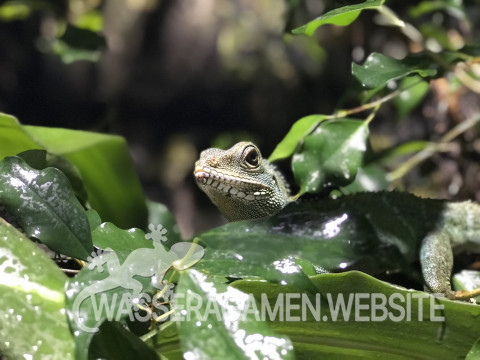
[
  {"x": 379, "y": 69},
  {"x": 221, "y": 334},
  {"x": 331, "y": 155},
  {"x": 369, "y": 178},
  {"x": 32, "y": 304},
  {"x": 44, "y": 205},
  {"x": 41, "y": 159},
  {"x": 359, "y": 331},
  {"x": 295, "y": 135},
  {"x": 342, "y": 16},
  {"x": 373, "y": 232},
  {"x": 104, "y": 163}
]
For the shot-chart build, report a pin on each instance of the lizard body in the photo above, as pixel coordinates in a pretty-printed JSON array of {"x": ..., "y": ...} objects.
[{"x": 428, "y": 229}]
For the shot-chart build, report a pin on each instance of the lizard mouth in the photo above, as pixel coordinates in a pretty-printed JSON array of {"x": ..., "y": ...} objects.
[{"x": 211, "y": 177}]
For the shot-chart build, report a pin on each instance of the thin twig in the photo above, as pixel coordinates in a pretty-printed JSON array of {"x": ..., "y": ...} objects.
[{"x": 432, "y": 149}]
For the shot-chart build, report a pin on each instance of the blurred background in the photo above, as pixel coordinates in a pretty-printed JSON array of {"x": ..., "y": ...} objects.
[{"x": 177, "y": 76}]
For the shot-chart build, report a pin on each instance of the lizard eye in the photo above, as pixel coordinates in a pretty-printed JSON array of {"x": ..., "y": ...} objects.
[{"x": 252, "y": 157}]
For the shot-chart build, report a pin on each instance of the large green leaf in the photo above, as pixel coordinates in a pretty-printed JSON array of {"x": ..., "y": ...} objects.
[
  {"x": 330, "y": 155},
  {"x": 44, "y": 205},
  {"x": 32, "y": 302},
  {"x": 366, "y": 329},
  {"x": 115, "y": 342},
  {"x": 216, "y": 329},
  {"x": 373, "y": 232},
  {"x": 295, "y": 135},
  {"x": 113, "y": 187},
  {"x": 342, "y": 16},
  {"x": 379, "y": 69}
]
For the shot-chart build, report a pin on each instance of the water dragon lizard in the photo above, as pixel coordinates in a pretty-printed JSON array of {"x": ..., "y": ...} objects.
[{"x": 243, "y": 185}]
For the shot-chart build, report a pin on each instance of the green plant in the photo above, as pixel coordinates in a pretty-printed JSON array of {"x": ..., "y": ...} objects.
[{"x": 53, "y": 192}]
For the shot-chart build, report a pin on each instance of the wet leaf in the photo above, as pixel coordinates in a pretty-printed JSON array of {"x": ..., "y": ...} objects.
[
  {"x": 379, "y": 69},
  {"x": 217, "y": 330},
  {"x": 32, "y": 304},
  {"x": 342, "y": 16},
  {"x": 331, "y": 155},
  {"x": 41, "y": 159},
  {"x": 104, "y": 163},
  {"x": 44, "y": 205}
]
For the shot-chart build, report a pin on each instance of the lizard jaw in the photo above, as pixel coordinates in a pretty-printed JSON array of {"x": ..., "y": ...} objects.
[{"x": 206, "y": 176}]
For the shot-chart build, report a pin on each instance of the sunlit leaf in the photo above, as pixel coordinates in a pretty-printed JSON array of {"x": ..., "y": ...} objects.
[
  {"x": 105, "y": 165},
  {"x": 226, "y": 336},
  {"x": 409, "y": 324},
  {"x": 32, "y": 305},
  {"x": 295, "y": 135},
  {"x": 342, "y": 16},
  {"x": 330, "y": 155},
  {"x": 379, "y": 69}
]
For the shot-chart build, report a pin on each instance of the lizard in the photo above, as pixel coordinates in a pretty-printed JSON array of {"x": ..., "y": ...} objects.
[{"x": 243, "y": 185}]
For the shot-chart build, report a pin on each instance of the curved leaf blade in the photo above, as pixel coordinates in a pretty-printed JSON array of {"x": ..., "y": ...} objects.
[
  {"x": 419, "y": 332},
  {"x": 32, "y": 305},
  {"x": 331, "y": 155},
  {"x": 295, "y": 135},
  {"x": 342, "y": 16},
  {"x": 44, "y": 205}
]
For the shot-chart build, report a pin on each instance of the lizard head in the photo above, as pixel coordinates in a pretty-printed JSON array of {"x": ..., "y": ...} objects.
[{"x": 240, "y": 182}]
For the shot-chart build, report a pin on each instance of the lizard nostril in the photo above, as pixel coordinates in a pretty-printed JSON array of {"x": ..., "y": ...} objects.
[{"x": 213, "y": 162}]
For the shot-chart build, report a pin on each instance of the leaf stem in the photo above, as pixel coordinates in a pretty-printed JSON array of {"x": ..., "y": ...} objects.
[{"x": 430, "y": 150}]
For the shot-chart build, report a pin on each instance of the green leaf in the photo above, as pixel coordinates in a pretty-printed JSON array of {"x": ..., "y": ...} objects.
[
  {"x": 379, "y": 69},
  {"x": 115, "y": 342},
  {"x": 45, "y": 206},
  {"x": 474, "y": 352},
  {"x": 32, "y": 304},
  {"x": 217, "y": 334},
  {"x": 342, "y": 16},
  {"x": 41, "y": 159},
  {"x": 369, "y": 178},
  {"x": 158, "y": 214},
  {"x": 407, "y": 332},
  {"x": 409, "y": 99},
  {"x": 136, "y": 266},
  {"x": 113, "y": 187},
  {"x": 295, "y": 135},
  {"x": 79, "y": 44},
  {"x": 373, "y": 232},
  {"x": 14, "y": 10},
  {"x": 330, "y": 155}
]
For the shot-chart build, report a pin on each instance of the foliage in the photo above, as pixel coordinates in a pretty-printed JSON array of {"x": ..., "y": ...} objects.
[{"x": 76, "y": 191}]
